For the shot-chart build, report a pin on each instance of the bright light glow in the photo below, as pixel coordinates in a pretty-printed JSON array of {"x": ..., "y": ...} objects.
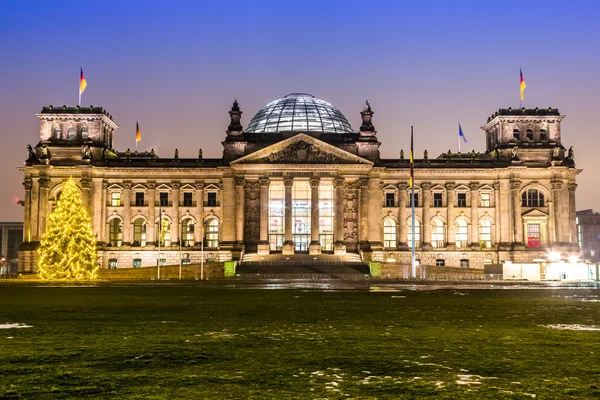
[
  {"x": 573, "y": 259},
  {"x": 554, "y": 256}
]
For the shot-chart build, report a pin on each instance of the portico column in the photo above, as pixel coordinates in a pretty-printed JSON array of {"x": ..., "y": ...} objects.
[
  {"x": 86, "y": 188},
  {"x": 288, "y": 245},
  {"x": 315, "y": 244},
  {"x": 263, "y": 245},
  {"x": 517, "y": 227},
  {"x": 27, "y": 184},
  {"x": 240, "y": 183},
  {"x": 127, "y": 227},
  {"x": 498, "y": 236},
  {"x": 43, "y": 201},
  {"x": 175, "y": 225},
  {"x": 363, "y": 227},
  {"x": 35, "y": 210},
  {"x": 426, "y": 187},
  {"x": 450, "y": 196},
  {"x": 572, "y": 214},
  {"x": 474, "y": 186},
  {"x": 103, "y": 214},
  {"x": 199, "y": 231},
  {"x": 402, "y": 214},
  {"x": 339, "y": 210},
  {"x": 150, "y": 235}
]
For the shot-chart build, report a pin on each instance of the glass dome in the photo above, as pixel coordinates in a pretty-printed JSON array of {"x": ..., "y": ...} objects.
[{"x": 299, "y": 112}]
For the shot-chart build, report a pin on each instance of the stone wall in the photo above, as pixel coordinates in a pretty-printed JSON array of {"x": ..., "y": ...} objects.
[
  {"x": 404, "y": 271},
  {"x": 212, "y": 270}
]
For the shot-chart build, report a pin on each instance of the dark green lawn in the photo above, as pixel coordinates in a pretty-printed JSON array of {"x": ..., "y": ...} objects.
[{"x": 211, "y": 343}]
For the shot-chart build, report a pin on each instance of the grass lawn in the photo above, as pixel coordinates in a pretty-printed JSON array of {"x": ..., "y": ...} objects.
[{"x": 223, "y": 343}]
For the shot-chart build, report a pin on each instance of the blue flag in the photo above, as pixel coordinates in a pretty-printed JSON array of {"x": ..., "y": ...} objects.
[{"x": 461, "y": 134}]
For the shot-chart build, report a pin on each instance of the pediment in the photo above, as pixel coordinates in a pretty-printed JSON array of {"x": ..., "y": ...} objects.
[
  {"x": 211, "y": 186},
  {"x": 301, "y": 149},
  {"x": 163, "y": 187},
  {"x": 138, "y": 187},
  {"x": 461, "y": 188},
  {"x": 535, "y": 213},
  {"x": 389, "y": 186},
  {"x": 187, "y": 188},
  {"x": 115, "y": 187},
  {"x": 438, "y": 188},
  {"x": 486, "y": 188}
]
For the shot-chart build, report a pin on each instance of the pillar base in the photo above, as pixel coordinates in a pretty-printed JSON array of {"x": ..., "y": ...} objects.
[
  {"x": 314, "y": 248},
  {"x": 288, "y": 248},
  {"x": 263, "y": 249},
  {"x": 427, "y": 247},
  {"x": 339, "y": 248}
]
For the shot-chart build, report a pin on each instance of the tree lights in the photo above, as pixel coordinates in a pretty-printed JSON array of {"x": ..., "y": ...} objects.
[{"x": 68, "y": 248}]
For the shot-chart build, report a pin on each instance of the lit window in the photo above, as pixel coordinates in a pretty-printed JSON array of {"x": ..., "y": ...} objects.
[
  {"x": 389, "y": 234},
  {"x": 409, "y": 232},
  {"x": 437, "y": 233},
  {"x": 163, "y": 229},
  {"x": 115, "y": 233},
  {"x": 57, "y": 132},
  {"x": 115, "y": 199},
  {"x": 212, "y": 233},
  {"x": 276, "y": 216},
  {"x": 485, "y": 199},
  {"x": 461, "y": 233},
  {"x": 485, "y": 232},
  {"x": 139, "y": 232},
  {"x": 84, "y": 133},
  {"x": 532, "y": 198},
  {"x": 137, "y": 263},
  {"x": 70, "y": 133},
  {"x": 326, "y": 216},
  {"x": 533, "y": 235},
  {"x": 464, "y": 263},
  {"x": 301, "y": 220},
  {"x": 187, "y": 232},
  {"x": 112, "y": 263}
]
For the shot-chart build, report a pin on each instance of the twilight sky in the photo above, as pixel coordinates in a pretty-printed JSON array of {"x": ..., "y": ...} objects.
[{"x": 177, "y": 67}]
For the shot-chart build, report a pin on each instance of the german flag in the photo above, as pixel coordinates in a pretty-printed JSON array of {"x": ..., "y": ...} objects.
[
  {"x": 82, "y": 81},
  {"x": 412, "y": 163},
  {"x": 138, "y": 134},
  {"x": 523, "y": 85}
]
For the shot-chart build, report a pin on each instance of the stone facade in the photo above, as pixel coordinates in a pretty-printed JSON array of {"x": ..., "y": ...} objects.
[{"x": 515, "y": 201}]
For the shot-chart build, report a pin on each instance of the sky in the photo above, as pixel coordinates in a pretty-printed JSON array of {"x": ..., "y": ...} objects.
[{"x": 176, "y": 67}]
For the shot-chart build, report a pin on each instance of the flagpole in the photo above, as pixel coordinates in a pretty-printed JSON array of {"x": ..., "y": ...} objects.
[
  {"x": 459, "y": 138},
  {"x": 412, "y": 205},
  {"x": 159, "y": 234}
]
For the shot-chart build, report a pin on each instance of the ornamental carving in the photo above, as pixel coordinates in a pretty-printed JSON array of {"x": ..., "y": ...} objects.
[
  {"x": 126, "y": 185},
  {"x": 175, "y": 185},
  {"x": 363, "y": 182},
  {"x": 496, "y": 185},
  {"x": 556, "y": 185},
  {"x": 314, "y": 182},
  {"x": 402, "y": 186},
  {"x": 303, "y": 152},
  {"x": 515, "y": 185},
  {"x": 240, "y": 181},
  {"x": 199, "y": 185},
  {"x": 105, "y": 185},
  {"x": 350, "y": 211},
  {"x": 44, "y": 183},
  {"x": 263, "y": 181},
  {"x": 474, "y": 185},
  {"x": 450, "y": 185},
  {"x": 572, "y": 187},
  {"x": 338, "y": 181},
  {"x": 252, "y": 212},
  {"x": 86, "y": 183},
  {"x": 288, "y": 182},
  {"x": 426, "y": 185},
  {"x": 27, "y": 184}
]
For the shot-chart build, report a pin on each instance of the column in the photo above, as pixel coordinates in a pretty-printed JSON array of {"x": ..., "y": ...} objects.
[
  {"x": 515, "y": 187},
  {"x": 86, "y": 188},
  {"x": 43, "y": 203},
  {"x": 127, "y": 226},
  {"x": 506, "y": 218},
  {"x": 554, "y": 209},
  {"x": 572, "y": 214},
  {"x": 227, "y": 213},
  {"x": 315, "y": 245},
  {"x": 288, "y": 244},
  {"x": 27, "y": 184},
  {"x": 103, "y": 216},
  {"x": 35, "y": 209},
  {"x": 426, "y": 226},
  {"x": 240, "y": 183},
  {"x": 175, "y": 225},
  {"x": 96, "y": 207},
  {"x": 199, "y": 213},
  {"x": 363, "y": 226},
  {"x": 375, "y": 201},
  {"x": 450, "y": 198},
  {"x": 150, "y": 226},
  {"x": 498, "y": 233},
  {"x": 338, "y": 222},
  {"x": 474, "y": 186},
  {"x": 263, "y": 245},
  {"x": 402, "y": 214}
]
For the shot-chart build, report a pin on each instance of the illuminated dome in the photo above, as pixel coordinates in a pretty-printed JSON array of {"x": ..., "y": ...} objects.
[{"x": 299, "y": 112}]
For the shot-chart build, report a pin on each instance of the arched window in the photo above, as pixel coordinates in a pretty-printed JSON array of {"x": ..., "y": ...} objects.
[
  {"x": 461, "y": 234},
  {"x": 516, "y": 134},
  {"x": 211, "y": 235},
  {"x": 115, "y": 233},
  {"x": 485, "y": 232},
  {"x": 437, "y": 233},
  {"x": 543, "y": 134},
  {"x": 529, "y": 134},
  {"x": 139, "y": 232},
  {"x": 389, "y": 233},
  {"x": 163, "y": 230},
  {"x": 409, "y": 231},
  {"x": 57, "y": 132},
  {"x": 187, "y": 232},
  {"x": 84, "y": 133},
  {"x": 70, "y": 133},
  {"x": 532, "y": 198}
]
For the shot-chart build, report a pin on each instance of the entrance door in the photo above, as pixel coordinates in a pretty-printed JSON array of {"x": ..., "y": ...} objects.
[{"x": 301, "y": 242}]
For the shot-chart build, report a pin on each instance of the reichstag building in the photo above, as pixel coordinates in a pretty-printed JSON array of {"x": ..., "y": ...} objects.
[{"x": 300, "y": 180}]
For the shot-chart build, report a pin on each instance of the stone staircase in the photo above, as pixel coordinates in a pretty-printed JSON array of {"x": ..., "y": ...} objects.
[{"x": 302, "y": 266}]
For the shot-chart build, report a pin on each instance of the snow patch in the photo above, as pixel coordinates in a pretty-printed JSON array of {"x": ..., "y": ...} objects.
[
  {"x": 573, "y": 327},
  {"x": 11, "y": 326}
]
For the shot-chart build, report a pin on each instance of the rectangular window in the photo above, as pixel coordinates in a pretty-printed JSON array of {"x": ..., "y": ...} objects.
[
  {"x": 301, "y": 214},
  {"x": 212, "y": 199},
  {"x": 437, "y": 199},
  {"x": 326, "y": 217},
  {"x": 464, "y": 263},
  {"x": 440, "y": 262},
  {"x": 185, "y": 261},
  {"x": 416, "y": 198},
  {"x": 139, "y": 199},
  {"x": 187, "y": 199},
  {"x": 115, "y": 199},
  {"x": 485, "y": 199},
  {"x": 112, "y": 263},
  {"x": 462, "y": 199},
  {"x": 137, "y": 263},
  {"x": 276, "y": 216},
  {"x": 533, "y": 235},
  {"x": 164, "y": 199},
  {"x": 389, "y": 199}
]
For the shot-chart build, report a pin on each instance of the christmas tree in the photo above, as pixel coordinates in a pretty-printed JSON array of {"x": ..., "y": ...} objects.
[{"x": 68, "y": 248}]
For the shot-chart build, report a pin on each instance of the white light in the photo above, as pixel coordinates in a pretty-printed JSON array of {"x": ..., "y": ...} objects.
[
  {"x": 554, "y": 256},
  {"x": 573, "y": 259}
]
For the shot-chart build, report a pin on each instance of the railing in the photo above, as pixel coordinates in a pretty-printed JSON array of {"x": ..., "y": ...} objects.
[
  {"x": 292, "y": 276},
  {"x": 139, "y": 204},
  {"x": 212, "y": 204},
  {"x": 163, "y": 204}
]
